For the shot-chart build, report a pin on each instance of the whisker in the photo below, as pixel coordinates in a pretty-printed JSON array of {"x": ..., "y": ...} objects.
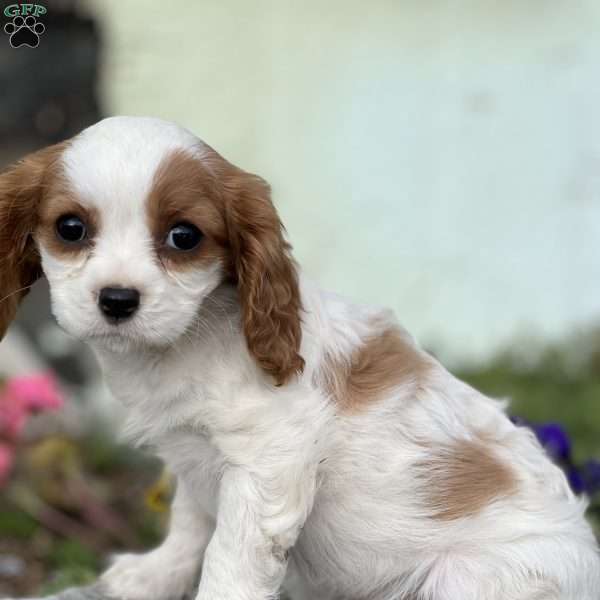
[{"x": 16, "y": 292}]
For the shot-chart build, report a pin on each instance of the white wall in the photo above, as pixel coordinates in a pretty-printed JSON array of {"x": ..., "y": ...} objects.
[{"x": 439, "y": 157}]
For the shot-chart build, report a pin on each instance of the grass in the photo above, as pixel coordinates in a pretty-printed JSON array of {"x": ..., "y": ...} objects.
[{"x": 557, "y": 388}]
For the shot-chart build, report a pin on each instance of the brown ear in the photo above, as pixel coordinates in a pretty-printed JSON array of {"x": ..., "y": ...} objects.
[
  {"x": 266, "y": 276},
  {"x": 21, "y": 189}
]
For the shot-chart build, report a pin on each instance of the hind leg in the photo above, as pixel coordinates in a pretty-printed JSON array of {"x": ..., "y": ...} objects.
[{"x": 455, "y": 577}]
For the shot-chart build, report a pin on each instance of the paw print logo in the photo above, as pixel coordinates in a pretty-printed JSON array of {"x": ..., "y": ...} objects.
[{"x": 24, "y": 31}]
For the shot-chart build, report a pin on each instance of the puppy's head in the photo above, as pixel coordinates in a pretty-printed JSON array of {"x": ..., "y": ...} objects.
[{"x": 135, "y": 222}]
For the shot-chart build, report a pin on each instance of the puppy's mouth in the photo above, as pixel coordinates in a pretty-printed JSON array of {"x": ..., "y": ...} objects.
[
  {"x": 120, "y": 334},
  {"x": 115, "y": 329},
  {"x": 116, "y": 322},
  {"x": 118, "y": 337}
]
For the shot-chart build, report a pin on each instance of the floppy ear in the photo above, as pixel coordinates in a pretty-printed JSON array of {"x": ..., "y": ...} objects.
[
  {"x": 266, "y": 276},
  {"x": 21, "y": 189}
]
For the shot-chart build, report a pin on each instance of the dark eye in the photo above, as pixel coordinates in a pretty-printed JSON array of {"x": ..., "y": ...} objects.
[
  {"x": 184, "y": 236},
  {"x": 71, "y": 229}
]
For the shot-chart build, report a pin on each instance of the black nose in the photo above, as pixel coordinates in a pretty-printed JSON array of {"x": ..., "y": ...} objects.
[{"x": 118, "y": 303}]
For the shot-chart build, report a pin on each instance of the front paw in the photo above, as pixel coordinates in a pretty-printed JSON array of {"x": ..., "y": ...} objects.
[{"x": 156, "y": 575}]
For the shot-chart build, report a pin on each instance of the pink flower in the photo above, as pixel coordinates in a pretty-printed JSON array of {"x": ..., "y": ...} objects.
[
  {"x": 24, "y": 395},
  {"x": 36, "y": 392},
  {"x": 12, "y": 416},
  {"x": 6, "y": 462}
]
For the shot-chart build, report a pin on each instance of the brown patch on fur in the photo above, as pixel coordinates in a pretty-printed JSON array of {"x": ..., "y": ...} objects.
[
  {"x": 183, "y": 190},
  {"x": 464, "y": 478},
  {"x": 385, "y": 360},
  {"x": 242, "y": 229},
  {"x": 23, "y": 186}
]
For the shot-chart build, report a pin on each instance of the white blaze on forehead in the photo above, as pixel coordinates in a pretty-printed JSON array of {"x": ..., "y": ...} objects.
[{"x": 111, "y": 165}]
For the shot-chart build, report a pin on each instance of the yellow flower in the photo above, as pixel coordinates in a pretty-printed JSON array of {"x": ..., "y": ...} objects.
[{"x": 158, "y": 495}]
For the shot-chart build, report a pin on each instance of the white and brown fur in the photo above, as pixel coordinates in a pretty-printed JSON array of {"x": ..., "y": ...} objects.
[{"x": 315, "y": 445}]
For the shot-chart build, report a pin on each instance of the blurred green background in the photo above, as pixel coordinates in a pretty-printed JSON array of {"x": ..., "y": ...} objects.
[{"x": 441, "y": 158}]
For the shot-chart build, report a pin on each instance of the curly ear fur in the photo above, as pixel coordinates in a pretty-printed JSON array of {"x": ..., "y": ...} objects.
[
  {"x": 21, "y": 190},
  {"x": 266, "y": 276}
]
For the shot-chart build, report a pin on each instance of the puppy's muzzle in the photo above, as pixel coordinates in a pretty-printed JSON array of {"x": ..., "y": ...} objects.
[{"x": 118, "y": 304}]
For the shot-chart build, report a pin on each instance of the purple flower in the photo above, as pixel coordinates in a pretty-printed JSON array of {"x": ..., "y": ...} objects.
[
  {"x": 591, "y": 476},
  {"x": 556, "y": 442},
  {"x": 576, "y": 480},
  {"x": 554, "y": 439}
]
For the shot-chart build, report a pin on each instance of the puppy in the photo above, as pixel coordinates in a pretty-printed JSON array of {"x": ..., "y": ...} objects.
[{"x": 315, "y": 445}]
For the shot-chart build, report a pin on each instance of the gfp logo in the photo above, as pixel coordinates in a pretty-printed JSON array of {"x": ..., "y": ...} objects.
[{"x": 24, "y": 29}]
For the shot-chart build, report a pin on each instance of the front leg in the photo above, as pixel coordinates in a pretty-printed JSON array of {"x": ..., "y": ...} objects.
[
  {"x": 170, "y": 571},
  {"x": 258, "y": 522}
]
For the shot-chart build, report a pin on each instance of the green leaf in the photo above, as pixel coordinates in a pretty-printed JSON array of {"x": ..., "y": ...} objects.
[
  {"x": 16, "y": 524},
  {"x": 69, "y": 554}
]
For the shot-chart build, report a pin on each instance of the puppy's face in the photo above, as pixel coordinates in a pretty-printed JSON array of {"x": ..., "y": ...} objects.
[
  {"x": 135, "y": 222},
  {"x": 130, "y": 233}
]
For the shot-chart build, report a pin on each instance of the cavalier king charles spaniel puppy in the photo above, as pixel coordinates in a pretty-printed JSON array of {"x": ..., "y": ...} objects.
[{"x": 316, "y": 447}]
